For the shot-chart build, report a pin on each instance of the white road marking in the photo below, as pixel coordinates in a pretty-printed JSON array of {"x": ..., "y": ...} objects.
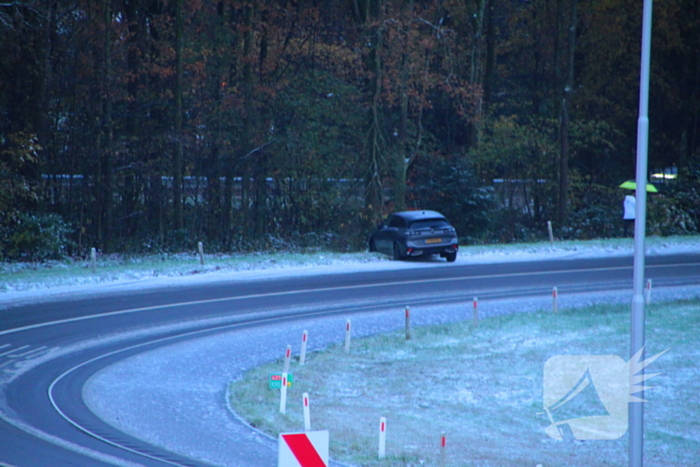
[{"x": 325, "y": 289}]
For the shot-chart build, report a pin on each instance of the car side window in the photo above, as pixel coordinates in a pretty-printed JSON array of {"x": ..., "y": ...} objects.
[{"x": 396, "y": 222}]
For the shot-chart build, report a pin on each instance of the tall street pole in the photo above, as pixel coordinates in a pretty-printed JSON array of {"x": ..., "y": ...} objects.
[{"x": 636, "y": 412}]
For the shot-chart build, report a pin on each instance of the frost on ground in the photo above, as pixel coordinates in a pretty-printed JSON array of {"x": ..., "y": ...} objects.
[
  {"x": 482, "y": 387},
  {"x": 31, "y": 281}
]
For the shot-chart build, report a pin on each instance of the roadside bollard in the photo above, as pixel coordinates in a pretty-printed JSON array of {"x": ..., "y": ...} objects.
[
  {"x": 302, "y": 355},
  {"x": 348, "y": 326},
  {"x": 382, "y": 437},
  {"x": 408, "y": 323},
  {"x": 287, "y": 357},
  {"x": 307, "y": 414},
  {"x": 283, "y": 394},
  {"x": 647, "y": 292},
  {"x": 443, "y": 442}
]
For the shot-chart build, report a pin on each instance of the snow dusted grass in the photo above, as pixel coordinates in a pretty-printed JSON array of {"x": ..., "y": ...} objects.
[
  {"x": 113, "y": 269},
  {"x": 116, "y": 269},
  {"x": 483, "y": 387},
  {"x": 580, "y": 248}
]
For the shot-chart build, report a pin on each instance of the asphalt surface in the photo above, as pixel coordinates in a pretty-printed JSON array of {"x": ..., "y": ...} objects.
[{"x": 76, "y": 375}]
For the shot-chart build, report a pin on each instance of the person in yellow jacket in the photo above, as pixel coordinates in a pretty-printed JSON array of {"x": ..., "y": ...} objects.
[{"x": 630, "y": 205}]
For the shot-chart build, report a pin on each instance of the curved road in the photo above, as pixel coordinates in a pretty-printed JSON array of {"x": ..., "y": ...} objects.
[{"x": 50, "y": 352}]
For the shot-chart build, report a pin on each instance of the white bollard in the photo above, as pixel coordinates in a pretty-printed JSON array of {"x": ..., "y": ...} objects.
[
  {"x": 287, "y": 357},
  {"x": 93, "y": 260},
  {"x": 283, "y": 394},
  {"x": 443, "y": 443},
  {"x": 551, "y": 233},
  {"x": 302, "y": 355},
  {"x": 647, "y": 292},
  {"x": 348, "y": 327},
  {"x": 307, "y": 415},
  {"x": 555, "y": 300},
  {"x": 200, "y": 246},
  {"x": 382, "y": 437},
  {"x": 408, "y": 323},
  {"x": 475, "y": 312}
]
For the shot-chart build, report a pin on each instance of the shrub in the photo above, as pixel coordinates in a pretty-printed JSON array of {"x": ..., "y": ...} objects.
[
  {"x": 34, "y": 237},
  {"x": 677, "y": 211},
  {"x": 449, "y": 184}
]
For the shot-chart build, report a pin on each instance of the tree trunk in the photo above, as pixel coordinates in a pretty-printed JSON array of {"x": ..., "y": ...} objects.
[
  {"x": 368, "y": 12},
  {"x": 565, "y": 109},
  {"x": 107, "y": 165},
  {"x": 260, "y": 158},
  {"x": 247, "y": 139},
  {"x": 401, "y": 158},
  {"x": 179, "y": 151},
  {"x": 489, "y": 67},
  {"x": 375, "y": 199},
  {"x": 478, "y": 20}
]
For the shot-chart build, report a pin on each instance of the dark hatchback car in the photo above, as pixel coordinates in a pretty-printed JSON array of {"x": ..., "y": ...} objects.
[{"x": 415, "y": 233}]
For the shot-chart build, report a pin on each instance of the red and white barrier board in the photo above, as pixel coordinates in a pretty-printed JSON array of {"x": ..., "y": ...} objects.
[{"x": 309, "y": 449}]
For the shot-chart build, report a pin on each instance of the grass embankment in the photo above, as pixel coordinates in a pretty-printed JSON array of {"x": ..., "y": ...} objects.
[
  {"x": 16, "y": 277},
  {"x": 122, "y": 268},
  {"x": 483, "y": 387}
]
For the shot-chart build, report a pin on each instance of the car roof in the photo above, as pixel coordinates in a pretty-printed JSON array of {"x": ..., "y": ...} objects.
[{"x": 415, "y": 215}]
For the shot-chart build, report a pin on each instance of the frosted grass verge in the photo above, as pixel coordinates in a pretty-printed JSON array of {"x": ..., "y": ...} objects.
[
  {"x": 114, "y": 268},
  {"x": 483, "y": 387},
  {"x": 27, "y": 282},
  {"x": 596, "y": 247}
]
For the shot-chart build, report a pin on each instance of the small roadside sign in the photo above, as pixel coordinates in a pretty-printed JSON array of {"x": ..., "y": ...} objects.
[
  {"x": 308, "y": 449},
  {"x": 275, "y": 381}
]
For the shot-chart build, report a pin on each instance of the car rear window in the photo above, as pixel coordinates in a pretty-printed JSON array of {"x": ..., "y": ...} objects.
[
  {"x": 396, "y": 221},
  {"x": 438, "y": 223}
]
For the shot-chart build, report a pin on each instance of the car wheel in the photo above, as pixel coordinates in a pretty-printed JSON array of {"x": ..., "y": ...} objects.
[
  {"x": 397, "y": 252},
  {"x": 451, "y": 257},
  {"x": 372, "y": 246}
]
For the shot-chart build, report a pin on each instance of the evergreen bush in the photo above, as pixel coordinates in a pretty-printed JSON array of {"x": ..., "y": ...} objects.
[{"x": 34, "y": 237}]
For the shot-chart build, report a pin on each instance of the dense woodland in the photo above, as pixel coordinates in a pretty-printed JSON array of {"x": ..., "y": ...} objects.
[{"x": 150, "y": 125}]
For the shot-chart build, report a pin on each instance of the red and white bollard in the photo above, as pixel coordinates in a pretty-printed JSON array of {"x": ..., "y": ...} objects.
[
  {"x": 647, "y": 292},
  {"x": 348, "y": 327},
  {"x": 443, "y": 443},
  {"x": 408, "y": 323},
  {"x": 555, "y": 300},
  {"x": 307, "y": 415},
  {"x": 475, "y": 312},
  {"x": 382, "y": 437},
  {"x": 283, "y": 394},
  {"x": 287, "y": 357},
  {"x": 302, "y": 355}
]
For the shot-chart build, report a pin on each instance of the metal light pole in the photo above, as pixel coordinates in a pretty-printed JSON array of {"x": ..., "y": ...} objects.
[{"x": 636, "y": 412}]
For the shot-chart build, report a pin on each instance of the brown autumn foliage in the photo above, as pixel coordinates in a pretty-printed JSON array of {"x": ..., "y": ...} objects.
[{"x": 308, "y": 120}]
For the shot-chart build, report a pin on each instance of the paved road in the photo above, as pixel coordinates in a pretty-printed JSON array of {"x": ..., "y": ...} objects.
[{"x": 50, "y": 352}]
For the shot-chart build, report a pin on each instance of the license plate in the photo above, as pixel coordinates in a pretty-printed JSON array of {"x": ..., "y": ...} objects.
[{"x": 433, "y": 240}]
